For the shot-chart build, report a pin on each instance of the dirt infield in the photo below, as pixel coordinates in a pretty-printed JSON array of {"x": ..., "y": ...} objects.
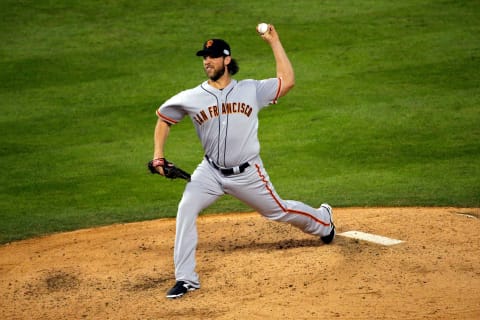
[{"x": 252, "y": 268}]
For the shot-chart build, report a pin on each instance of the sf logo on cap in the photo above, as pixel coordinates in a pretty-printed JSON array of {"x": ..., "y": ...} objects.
[{"x": 209, "y": 43}]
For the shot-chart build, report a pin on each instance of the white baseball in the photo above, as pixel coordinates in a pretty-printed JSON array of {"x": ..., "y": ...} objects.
[{"x": 262, "y": 28}]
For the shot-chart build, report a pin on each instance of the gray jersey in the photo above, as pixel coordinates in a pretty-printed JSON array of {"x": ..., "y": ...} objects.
[{"x": 226, "y": 120}]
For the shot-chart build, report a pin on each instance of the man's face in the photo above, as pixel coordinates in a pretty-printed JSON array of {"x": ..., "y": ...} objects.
[{"x": 215, "y": 68}]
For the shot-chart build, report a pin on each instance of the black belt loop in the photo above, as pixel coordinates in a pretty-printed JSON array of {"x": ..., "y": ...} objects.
[{"x": 228, "y": 171}]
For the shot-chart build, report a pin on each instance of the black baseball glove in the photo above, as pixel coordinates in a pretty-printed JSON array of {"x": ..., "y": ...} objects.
[{"x": 169, "y": 169}]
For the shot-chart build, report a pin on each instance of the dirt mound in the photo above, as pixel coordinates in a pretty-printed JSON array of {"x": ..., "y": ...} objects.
[{"x": 252, "y": 268}]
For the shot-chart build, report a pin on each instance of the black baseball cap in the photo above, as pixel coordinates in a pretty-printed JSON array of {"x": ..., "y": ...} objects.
[{"x": 214, "y": 48}]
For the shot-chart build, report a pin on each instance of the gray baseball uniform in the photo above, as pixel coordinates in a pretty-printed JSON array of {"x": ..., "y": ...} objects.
[{"x": 226, "y": 122}]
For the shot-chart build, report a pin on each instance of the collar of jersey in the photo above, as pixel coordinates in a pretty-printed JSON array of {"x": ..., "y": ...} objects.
[{"x": 231, "y": 84}]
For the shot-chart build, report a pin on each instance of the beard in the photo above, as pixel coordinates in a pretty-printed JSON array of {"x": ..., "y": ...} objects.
[{"x": 217, "y": 74}]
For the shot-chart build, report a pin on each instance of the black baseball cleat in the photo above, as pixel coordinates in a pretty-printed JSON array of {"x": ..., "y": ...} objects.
[
  {"x": 328, "y": 238},
  {"x": 179, "y": 289}
]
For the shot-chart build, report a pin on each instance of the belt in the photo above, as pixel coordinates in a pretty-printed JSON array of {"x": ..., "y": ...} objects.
[{"x": 228, "y": 171}]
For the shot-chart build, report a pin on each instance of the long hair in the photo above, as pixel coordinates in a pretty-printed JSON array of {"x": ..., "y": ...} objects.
[{"x": 233, "y": 67}]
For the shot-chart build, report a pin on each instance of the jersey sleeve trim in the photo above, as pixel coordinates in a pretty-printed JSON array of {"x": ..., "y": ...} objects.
[
  {"x": 166, "y": 119},
  {"x": 277, "y": 95}
]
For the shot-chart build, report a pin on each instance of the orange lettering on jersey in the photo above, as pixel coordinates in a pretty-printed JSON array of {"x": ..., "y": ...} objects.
[
  {"x": 227, "y": 108},
  {"x": 198, "y": 119},
  {"x": 248, "y": 111},
  {"x": 236, "y": 107},
  {"x": 213, "y": 111},
  {"x": 201, "y": 117}
]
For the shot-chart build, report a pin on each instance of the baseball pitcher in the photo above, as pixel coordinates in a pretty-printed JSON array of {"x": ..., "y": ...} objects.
[{"x": 224, "y": 112}]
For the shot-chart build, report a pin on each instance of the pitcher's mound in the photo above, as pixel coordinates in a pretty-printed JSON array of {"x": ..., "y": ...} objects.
[{"x": 252, "y": 268}]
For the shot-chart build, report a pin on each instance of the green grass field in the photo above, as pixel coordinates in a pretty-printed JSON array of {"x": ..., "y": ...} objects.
[{"x": 386, "y": 110}]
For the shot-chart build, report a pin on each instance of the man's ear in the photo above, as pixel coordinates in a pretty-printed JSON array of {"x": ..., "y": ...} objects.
[{"x": 227, "y": 60}]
